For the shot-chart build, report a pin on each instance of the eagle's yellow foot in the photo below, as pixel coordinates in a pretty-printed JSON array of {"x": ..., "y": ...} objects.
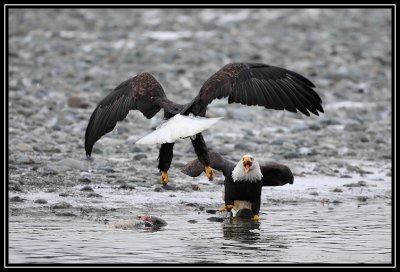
[
  {"x": 209, "y": 172},
  {"x": 256, "y": 217},
  {"x": 164, "y": 178},
  {"x": 226, "y": 208}
]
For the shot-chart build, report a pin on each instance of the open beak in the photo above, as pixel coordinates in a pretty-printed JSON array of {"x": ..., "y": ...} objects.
[{"x": 247, "y": 163}]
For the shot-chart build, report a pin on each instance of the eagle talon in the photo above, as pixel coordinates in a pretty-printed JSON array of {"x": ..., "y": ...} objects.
[
  {"x": 226, "y": 208},
  {"x": 256, "y": 217},
  {"x": 164, "y": 177},
  {"x": 209, "y": 172}
]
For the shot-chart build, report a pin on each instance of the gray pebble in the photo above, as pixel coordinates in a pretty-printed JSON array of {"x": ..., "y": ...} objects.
[
  {"x": 61, "y": 205},
  {"x": 15, "y": 187},
  {"x": 139, "y": 157},
  {"x": 324, "y": 169},
  {"x": 40, "y": 201},
  {"x": 355, "y": 127},
  {"x": 85, "y": 180},
  {"x": 16, "y": 199},
  {"x": 77, "y": 102},
  {"x": 87, "y": 189},
  {"x": 94, "y": 195},
  {"x": 64, "y": 194},
  {"x": 23, "y": 147},
  {"x": 65, "y": 214},
  {"x": 292, "y": 155},
  {"x": 361, "y": 183},
  {"x": 362, "y": 198}
]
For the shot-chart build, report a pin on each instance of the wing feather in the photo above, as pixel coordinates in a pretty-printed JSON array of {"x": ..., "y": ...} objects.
[
  {"x": 258, "y": 84},
  {"x": 275, "y": 174},
  {"x": 142, "y": 92}
]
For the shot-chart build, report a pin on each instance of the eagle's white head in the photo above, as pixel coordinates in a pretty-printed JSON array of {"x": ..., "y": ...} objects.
[{"x": 247, "y": 169}]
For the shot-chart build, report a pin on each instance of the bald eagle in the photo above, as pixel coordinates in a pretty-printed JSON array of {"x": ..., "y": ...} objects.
[
  {"x": 245, "y": 83},
  {"x": 243, "y": 181}
]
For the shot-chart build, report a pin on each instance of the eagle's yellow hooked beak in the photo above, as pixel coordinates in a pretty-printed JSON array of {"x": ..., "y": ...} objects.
[{"x": 247, "y": 163}]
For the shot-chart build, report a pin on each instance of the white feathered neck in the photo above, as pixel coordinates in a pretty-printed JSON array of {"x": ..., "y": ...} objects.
[{"x": 254, "y": 175}]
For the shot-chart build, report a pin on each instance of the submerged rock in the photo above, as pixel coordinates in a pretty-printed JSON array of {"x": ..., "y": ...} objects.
[{"x": 216, "y": 219}]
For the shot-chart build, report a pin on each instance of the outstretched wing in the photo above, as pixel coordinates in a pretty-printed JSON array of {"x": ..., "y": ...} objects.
[
  {"x": 142, "y": 92},
  {"x": 275, "y": 174},
  {"x": 259, "y": 84}
]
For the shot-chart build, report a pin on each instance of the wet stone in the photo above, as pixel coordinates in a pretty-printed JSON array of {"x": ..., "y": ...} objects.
[
  {"x": 362, "y": 198},
  {"x": 337, "y": 190},
  {"x": 185, "y": 187},
  {"x": 195, "y": 187},
  {"x": 324, "y": 169},
  {"x": 307, "y": 151},
  {"x": 94, "y": 195},
  {"x": 216, "y": 219},
  {"x": 126, "y": 186},
  {"x": 277, "y": 142},
  {"x": 355, "y": 127},
  {"x": 85, "y": 180},
  {"x": 191, "y": 205},
  {"x": 23, "y": 159},
  {"x": 61, "y": 205},
  {"x": 139, "y": 157},
  {"x": 292, "y": 155},
  {"x": 314, "y": 127},
  {"x": 361, "y": 183},
  {"x": 40, "y": 201},
  {"x": 15, "y": 187},
  {"x": 77, "y": 102},
  {"x": 211, "y": 211},
  {"x": 357, "y": 169},
  {"x": 16, "y": 199},
  {"x": 87, "y": 189},
  {"x": 23, "y": 147},
  {"x": 65, "y": 214},
  {"x": 63, "y": 194},
  {"x": 163, "y": 188}
]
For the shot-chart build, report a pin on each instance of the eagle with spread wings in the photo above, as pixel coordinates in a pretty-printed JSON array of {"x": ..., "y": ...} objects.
[{"x": 249, "y": 84}]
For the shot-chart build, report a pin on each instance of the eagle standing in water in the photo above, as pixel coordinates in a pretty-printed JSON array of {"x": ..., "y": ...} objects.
[
  {"x": 243, "y": 181},
  {"x": 245, "y": 83}
]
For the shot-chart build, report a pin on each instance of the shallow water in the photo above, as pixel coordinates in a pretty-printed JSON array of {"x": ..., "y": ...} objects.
[
  {"x": 306, "y": 233},
  {"x": 306, "y": 222}
]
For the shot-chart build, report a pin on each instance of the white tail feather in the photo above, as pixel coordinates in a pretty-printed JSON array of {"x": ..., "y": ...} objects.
[{"x": 179, "y": 126}]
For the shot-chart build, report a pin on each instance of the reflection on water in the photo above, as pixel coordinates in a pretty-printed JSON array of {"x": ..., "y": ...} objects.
[
  {"x": 239, "y": 229},
  {"x": 306, "y": 233}
]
